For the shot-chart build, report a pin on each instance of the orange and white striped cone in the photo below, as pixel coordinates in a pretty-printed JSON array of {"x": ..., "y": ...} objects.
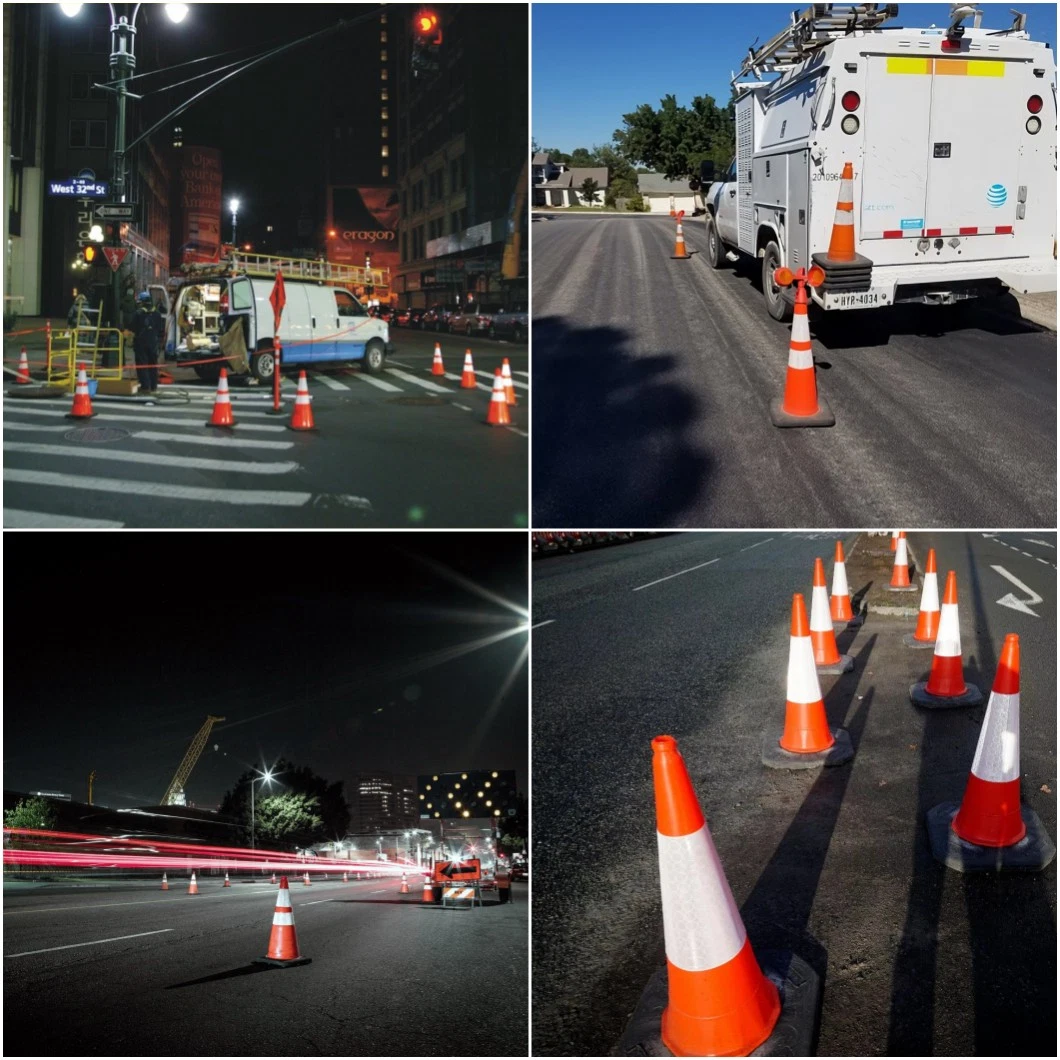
[
  {"x": 165, "y": 882},
  {"x": 345, "y": 877},
  {"x": 841, "y": 245},
  {"x": 428, "y": 891},
  {"x": 900, "y": 582},
  {"x": 193, "y": 886},
  {"x": 498, "y": 410},
  {"x": 305, "y": 880},
  {"x": 826, "y": 655},
  {"x": 839, "y": 603},
  {"x": 22, "y": 375},
  {"x": 82, "y": 407},
  {"x": 273, "y": 880},
  {"x": 467, "y": 380},
  {"x": 222, "y": 405},
  {"x": 437, "y": 368},
  {"x": 404, "y": 885},
  {"x": 927, "y": 622},
  {"x": 805, "y": 740},
  {"x": 302, "y": 417},
  {"x": 283, "y": 942},
  {"x": 945, "y": 686},
  {"x": 990, "y": 829},
  {"x": 894, "y": 540},
  {"x": 509, "y": 386},
  {"x": 801, "y": 406},
  {"x": 680, "y": 250},
  {"x": 227, "y": 884}
]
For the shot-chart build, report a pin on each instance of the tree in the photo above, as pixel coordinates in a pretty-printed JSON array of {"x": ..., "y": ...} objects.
[
  {"x": 589, "y": 189},
  {"x": 290, "y": 819},
  {"x": 31, "y": 813}
]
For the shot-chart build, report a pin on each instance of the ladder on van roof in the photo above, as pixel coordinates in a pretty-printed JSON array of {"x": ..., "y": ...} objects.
[{"x": 809, "y": 30}]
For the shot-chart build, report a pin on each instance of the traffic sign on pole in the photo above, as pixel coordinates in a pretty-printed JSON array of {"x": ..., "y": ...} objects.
[
  {"x": 471, "y": 869},
  {"x": 116, "y": 211},
  {"x": 115, "y": 256}
]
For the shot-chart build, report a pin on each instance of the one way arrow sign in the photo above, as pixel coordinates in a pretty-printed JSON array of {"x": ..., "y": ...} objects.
[
  {"x": 1012, "y": 600},
  {"x": 458, "y": 870}
]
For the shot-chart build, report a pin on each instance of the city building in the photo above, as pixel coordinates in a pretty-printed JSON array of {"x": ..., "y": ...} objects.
[
  {"x": 383, "y": 802},
  {"x": 461, "y": 109}
]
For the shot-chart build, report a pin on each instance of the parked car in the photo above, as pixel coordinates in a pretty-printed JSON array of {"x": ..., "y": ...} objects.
[
  {"x": 436, "y": 317},
  {"x": 511, "y": 324},
  {"x": 473, "y": 320},
  {"x": 401, "y": 317},
  {"x": 382, "y": 312}
]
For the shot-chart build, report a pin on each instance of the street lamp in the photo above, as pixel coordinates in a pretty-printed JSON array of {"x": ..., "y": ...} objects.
[
  {"x": 233, "y": 205},
  {"x": 267, "y": 775}
]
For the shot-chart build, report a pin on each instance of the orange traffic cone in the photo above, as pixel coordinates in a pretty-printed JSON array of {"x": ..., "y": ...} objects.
[
  {"x": 840, "y": 601},
  {"x": 841, "y": 245},
  {"x": 680, "y": 250},
  {"x": 990, "y": 830},
  {"x": 437, "y": 368},
  {"x": 946, "y": 687},
  {"x": 894, "y": 540},
  {"x": 509, "y": 386},
  {"x": 800, "y": 406},
  {"x": 345, "y": 877},
  {"x": 22, "y": 376},
  {"x": 227, "y": 884},
  {"x": 193, "y": 887},
  {"x": 900, "y": 575},
  {"x": 222, "y": 406},
  {"x": 165, "y": 882},
  {"x": 404, "y": 885},
  {"x": 273, "y": 878},
  {"x": 302, "y": 417},
  {"x": 927, "y": 623},
  {"x": 467, "y": 380},
  {"x": 305, "y": 880},
  {"x": 825, "y": 650},
  {"x": 428, "y": 891},
  {"x": 82, "y": 407},
  {"x": 283, "y": 942},
  {"x": 805, "y": 740},
  {"x": 498, "y": 412}
]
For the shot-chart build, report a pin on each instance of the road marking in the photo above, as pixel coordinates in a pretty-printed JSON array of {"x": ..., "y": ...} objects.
[
  {"x": 755, "y": 545},
  {"x": 96, "y": 942},
  {"x": 382, "y": 384},
  {"x": 545, "y": 623},
  {"x": 515, "y": 382},
  {"x": 320, "y": 902},
  {"x": 165, "y": 436},
  {"x": 268, "y": 889},
  {"x": 382, "y": 890},
  {"x": 457, "y": 378},
  {"x": 44, "y": 406},
  {"x": 521, "y": 433},
  {"x": 466, "y": 408},
  {"x": 525, "y": 375},
  {"x": 425, "y": 383},
  {"x": 195, "y": 463},
  {"x": 1013, "y": 601},
  {"x": 687, "y": 570},
  {"x": 1035, "y": 541},
  {"x": 18, "y": 518},
  {"x": 333, "y": 384},
  {"x": 164, "y": 491},
  {"x": 108, "y": 416}
]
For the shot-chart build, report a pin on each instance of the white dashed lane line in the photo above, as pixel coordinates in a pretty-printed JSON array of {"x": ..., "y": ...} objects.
[
  {"x": 545, "y": 623},
  {"x": 687, "y": 570}
]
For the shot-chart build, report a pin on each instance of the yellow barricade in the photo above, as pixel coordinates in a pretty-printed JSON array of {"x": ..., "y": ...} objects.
[{"x": 101, "y": 350}]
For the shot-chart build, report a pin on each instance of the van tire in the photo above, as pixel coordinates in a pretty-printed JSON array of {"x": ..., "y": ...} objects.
[
  {"x": 778, "y": 307},
  {"x": 374, "y": 360},
  {"x": 208, "y": 373},
  {"x": 715, "y": 249},
  {"x": 262, "y": 366}
]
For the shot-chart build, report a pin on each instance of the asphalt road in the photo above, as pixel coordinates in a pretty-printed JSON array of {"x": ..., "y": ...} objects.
[
  {"x": 402, "y": 449},
  {"x": 389, "y": 976},
  {"x": 687, "y": 634},
  {"x": 655, "y": 378}
]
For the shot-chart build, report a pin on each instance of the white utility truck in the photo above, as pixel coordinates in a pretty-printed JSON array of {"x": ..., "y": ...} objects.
[{"x": 952, "y": 137}]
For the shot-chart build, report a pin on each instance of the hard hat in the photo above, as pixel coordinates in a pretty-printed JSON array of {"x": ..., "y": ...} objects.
[{"x": 143, "y": 296}]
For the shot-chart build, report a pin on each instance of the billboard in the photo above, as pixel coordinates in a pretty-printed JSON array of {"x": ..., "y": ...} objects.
[
  {"x": 196, "y": 207},
  {"x": 363, "y": 221},
  {"x": 477, "y": 793}
]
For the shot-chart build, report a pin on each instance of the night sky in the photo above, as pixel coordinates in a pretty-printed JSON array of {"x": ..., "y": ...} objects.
[{"x": 348, "y": 666}]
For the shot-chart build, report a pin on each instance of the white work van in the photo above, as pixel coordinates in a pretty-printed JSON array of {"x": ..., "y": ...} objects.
[
  {"x": 952, "y": 136},
  {"x": 321, "y": 322}
]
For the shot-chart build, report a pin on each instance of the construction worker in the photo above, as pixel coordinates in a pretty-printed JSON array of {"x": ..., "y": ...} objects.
[{"x": 146, "y": 333}]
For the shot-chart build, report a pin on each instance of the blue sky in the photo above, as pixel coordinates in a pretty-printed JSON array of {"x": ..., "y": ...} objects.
[{"x": 592, "y": 63}]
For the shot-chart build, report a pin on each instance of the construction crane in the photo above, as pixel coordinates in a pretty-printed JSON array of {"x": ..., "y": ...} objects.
[
  {"x": 174, "y": 795},
  {"x": 91, "y": 778}
]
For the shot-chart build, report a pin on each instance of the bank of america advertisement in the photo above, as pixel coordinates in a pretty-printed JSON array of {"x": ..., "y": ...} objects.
[
  {"x": 363, "y": 221},
  {"x": 195, "y": 234}
]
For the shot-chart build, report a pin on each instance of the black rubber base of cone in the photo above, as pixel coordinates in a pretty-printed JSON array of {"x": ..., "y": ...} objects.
[
  {"x": 910, "y": 641},
  {"x": 901, "y": 589},
  {"x": 71, "y": 416},
  {"x": 793, "y": 1034},
  {"x": 302, "y": 430},
  {"x": 921, "y": 697},
  {"x": 1031, "y": 854},
  {"x": 680, "y": 257},
  {"x": 822, "y": 418},
  {"x": 859, "y": 264},
  {"x": 774, "y": 756},
  {"x": 222, "y": 426},
  {"x": 844, "y": 666},
  {"x": 275, "y": 963},
  {"x": 277, "y": 412}
]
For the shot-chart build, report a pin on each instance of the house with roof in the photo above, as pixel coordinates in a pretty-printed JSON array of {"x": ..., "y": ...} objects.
[
  {"x": 662, "y": 195},
  {"x": 564, "y": 189}
]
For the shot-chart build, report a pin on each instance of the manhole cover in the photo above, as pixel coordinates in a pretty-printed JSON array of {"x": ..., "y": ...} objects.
[
  {"x": 88, "y": 435},
  {"x": 418, "y": 401}
]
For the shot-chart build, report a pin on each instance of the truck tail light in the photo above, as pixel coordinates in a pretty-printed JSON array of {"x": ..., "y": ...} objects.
[
  {"x": 851, "y": 101},
  {"x": 224, "y": 302},
  {"x": 1033, "y": 124},
  {"x": 1034, "y": 104}
]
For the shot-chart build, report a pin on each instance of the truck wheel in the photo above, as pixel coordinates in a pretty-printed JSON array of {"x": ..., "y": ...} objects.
[
  {"x": 715, "y": 250},
  {"x": 208, "y": 373},
  {"x": 777, "y": 305},
  {"x": 374, "y": 357},
  {"x": 263, "y": 365}
]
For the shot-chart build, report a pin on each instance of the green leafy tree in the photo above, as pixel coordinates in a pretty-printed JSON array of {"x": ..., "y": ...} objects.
[
  {"x": 636, "y": 204},
  {"x": 291, "y": 819},
  {"x": 31, "y": 813},
  {"x": 589, "y": 190}
]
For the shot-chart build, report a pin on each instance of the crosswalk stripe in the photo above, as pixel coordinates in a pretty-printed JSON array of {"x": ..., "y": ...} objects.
[
  {"x": 382, "y": 384},
  {"x": 425, "y": 383},
  {"x": 334, "y": 384},
  {"x": 108, "y": 416},
  {"x": 166, "y": 436},
  {"x": 196, "y": 463},
  {"x": 163, "y": 490},
  {"x": 457, "y": 378},
  {"x": 525, "y": 375},
  {"x": 515, "y": 382},
  {"x": 148, "y": 411},
  {"x": 20, "y": 519}
]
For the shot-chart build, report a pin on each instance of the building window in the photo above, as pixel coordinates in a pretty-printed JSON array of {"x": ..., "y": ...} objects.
[
  {"x": 88, "y": 133},
  {"x": 382, "y": 36},
  {"x": 384, "y": 151},
  {"x": 384, "y": 95},
  {"x": 386, "y": 132},
  {"x": 382, "y": 56},
  {"x": 81, "y": 88},
  {"x": 386, "y": 171},
  {"x": 384, "y": 74},
  {"x": 382, "y": 20},
  {"x": 384, "y": 113}
]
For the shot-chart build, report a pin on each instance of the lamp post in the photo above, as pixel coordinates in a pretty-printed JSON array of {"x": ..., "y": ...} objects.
[
  {"x": 233, "y": 205},
  {"x": 253, "y": 780}
]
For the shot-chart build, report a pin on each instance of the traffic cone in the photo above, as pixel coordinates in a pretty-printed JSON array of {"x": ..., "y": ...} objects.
[
  {"x": 437, "y": 368},
  {"x": 990, "y": 830},
  {"x": 22, "y": 376},
  {"x": 82, "y": 407},
  {"x": 227, "y": 884},
  {"x": 680, "y": 250},
  {"x": 946, "y": 687},
  {"x": 900, "y": 574},
  {"x": 841, "y": 245},
  {"x": 805, "y": 740},
  {"x": 509, "y": 386},
  {"x": 927, "y": 623},
  {"x": 720, "y": 1003},
  {"x": 894, "y": 540},
  {"x": 800, "y": 406},
  {"x": 404, "y": 885},
  {"x": 840, "y": 601},
  {"x": 345, "y": 877},
  {"x": 467, "y": 380},
  {"x": 165, "y": 882},
  {"x": 302, "y": 417},
  {"x": 428, "y": 891},
  {"x": 222, "y": 406},
  {"x": 273, "y": 880},
  {"x": 305, "y": 880},
  {"x": 283, "y": 942},
  {"x": 498, "y": 411},
  {"x": 826, "y": 655},
  {"x": 193, "y": 887}
]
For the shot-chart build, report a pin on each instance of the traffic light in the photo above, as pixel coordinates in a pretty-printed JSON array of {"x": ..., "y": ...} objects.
[
  {"x": 426, "y": 39},
  {"x": 89, "y": 253}
]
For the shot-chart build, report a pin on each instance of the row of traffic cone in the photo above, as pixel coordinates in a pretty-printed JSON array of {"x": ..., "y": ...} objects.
[{"x": 503, "y": 394}]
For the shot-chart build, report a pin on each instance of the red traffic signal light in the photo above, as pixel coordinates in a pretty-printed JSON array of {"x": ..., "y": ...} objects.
[{"x": 427, "y": 27}]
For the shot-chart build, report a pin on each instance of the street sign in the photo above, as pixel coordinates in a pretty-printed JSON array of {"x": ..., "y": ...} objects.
[
  {"x": 278, "y": 298},
  {"x": 116, "y": 211},
  {"x": 458, "y": 870},
  {"x": 115, "y": 256}
]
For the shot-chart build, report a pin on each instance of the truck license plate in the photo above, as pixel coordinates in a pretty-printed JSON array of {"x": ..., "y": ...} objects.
[{"x": 853, "y": 299}]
